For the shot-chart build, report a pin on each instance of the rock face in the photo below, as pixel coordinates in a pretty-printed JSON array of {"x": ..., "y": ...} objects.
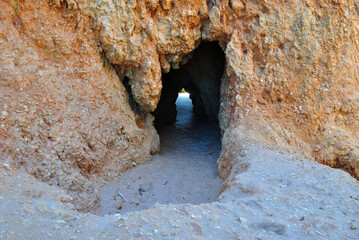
[
  {"x": 292, "y": 73},
  {"x": 65, "y": 116},
  {"x": 79, "y": 80},
  {"x": 71, "y": 72}
]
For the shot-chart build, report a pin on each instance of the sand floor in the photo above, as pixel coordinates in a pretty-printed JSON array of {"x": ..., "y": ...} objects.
[{"x": 185, "y": 171}]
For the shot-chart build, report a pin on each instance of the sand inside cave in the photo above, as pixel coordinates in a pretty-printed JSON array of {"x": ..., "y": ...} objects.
[{"x": 185, "y": 171}]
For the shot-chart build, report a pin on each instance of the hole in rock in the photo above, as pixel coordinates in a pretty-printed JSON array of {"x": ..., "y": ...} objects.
[{"x": 185, "y": 171}]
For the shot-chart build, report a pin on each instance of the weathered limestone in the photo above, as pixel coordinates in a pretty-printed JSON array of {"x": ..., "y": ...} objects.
[
  {"x": 78, "y": 80},
  {"x": 292, "y": 73},
  {"x": 290, "y": 82}
]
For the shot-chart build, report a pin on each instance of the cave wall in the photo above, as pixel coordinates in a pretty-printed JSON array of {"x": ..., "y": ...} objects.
[
  {"x": 200, "y": 73},
  {"x": 65, "y": 116},
  {"x": 290, "y": 82},
  {"x": 292, "y": 79}
]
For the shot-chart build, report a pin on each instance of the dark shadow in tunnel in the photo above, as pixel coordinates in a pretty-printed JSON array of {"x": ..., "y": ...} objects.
[{"x": 200, "y": 77}]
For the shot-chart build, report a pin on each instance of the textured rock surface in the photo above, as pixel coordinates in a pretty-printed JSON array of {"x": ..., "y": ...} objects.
[
  {"x": 290, "y": 84},
  {"x": 294, "y": 199},
  {"x": 64, "y": 111},
  {"x": 292, "y": 74}
]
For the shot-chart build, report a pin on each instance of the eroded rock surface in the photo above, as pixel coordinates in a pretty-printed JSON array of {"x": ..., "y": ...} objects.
[
  {"x": 64, "y": 111},
  {"x": 268, "y": 195},
  {"x": 292, "y": 74},
  {"x": 71, "y": 70}
]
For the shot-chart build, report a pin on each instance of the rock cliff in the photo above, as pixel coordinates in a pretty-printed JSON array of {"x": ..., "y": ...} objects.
[{"x": 78, "y": 80}]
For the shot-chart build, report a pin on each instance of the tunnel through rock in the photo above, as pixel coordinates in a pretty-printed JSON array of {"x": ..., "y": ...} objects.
[
  {"x": 200, "y": 77},
  {"x": 185, "y": 171}
]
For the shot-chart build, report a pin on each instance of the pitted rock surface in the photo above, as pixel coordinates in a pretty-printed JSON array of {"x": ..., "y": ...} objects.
[{"x": 78, "y": 80}]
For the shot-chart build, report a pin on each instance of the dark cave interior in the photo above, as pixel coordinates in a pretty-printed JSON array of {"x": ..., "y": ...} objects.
[{"x": 201, "y": 77}]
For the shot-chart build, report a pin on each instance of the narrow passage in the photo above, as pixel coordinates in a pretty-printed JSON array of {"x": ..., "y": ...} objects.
[{"x": 185, "y": 171}]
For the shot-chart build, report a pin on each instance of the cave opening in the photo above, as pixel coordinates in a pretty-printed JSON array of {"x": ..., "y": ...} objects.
[
  {"x": 201, "y": 77},
  {"x": 185, "y": 170}
]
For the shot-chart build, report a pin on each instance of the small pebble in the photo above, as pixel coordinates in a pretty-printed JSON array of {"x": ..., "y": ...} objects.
[
  {"x": 119, "y": 206},
  {"x": 352, "y": 226}
]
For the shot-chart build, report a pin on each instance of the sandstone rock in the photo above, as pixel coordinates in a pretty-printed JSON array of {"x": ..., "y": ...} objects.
[
  {"x": 66, "y": 116},
  {"x": 237, "y": 5},
  {"x": 276, "y": 56}
]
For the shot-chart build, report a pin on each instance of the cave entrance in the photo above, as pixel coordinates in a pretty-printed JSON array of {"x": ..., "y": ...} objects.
[
  {"x": 185, "y": 171},
  {"x": 201, "y": 77}
]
